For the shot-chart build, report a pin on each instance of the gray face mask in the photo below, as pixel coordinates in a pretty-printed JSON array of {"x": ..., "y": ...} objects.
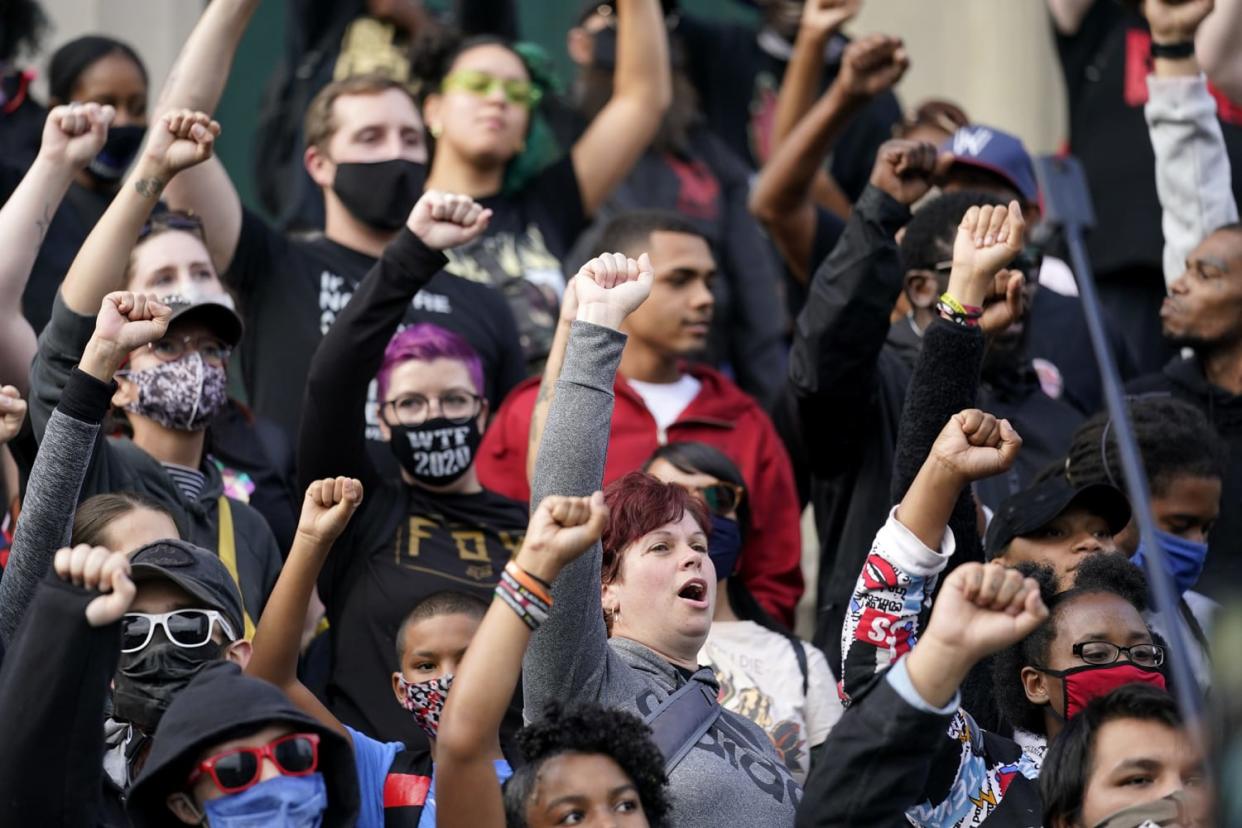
[
  {"x": 184, "y": 394},
  {"x": 1169, "y": 812}
]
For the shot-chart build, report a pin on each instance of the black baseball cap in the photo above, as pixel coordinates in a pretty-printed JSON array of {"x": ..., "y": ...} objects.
[
  {"x": 216, "y": 313},
  {"x": 196, "y": 570},
  {"x": 1040, "y": 504}
]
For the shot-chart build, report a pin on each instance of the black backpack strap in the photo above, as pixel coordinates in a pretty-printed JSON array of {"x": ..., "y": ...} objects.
[
  {"x": 682, "y": 719},
  {"x": 800, "y": 654},
  {"x": 405, "y": 789}
]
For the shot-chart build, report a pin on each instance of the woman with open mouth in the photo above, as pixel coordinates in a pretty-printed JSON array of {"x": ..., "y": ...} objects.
[{"x": 629, "y": 617}]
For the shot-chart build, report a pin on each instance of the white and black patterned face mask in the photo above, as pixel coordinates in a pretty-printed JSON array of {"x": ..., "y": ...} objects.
[
  {"x": 184, "y": 394},
  {"x": 425, "y": 701}
]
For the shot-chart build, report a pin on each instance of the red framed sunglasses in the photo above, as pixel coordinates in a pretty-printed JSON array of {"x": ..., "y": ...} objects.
[{"x": 237, "y": 769}]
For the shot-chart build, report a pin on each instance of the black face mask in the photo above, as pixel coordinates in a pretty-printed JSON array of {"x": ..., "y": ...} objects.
[
  {"x": 146, "y": 681},
  {"x": 118, "y": 153},
  {"x": 380, "y": 194},
  {"x": 437, "y": 452}
]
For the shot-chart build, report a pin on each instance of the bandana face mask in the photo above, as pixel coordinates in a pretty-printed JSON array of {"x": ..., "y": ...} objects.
[
  {"x": 146, "y": 681},
  {"x": 425, "y": 701},
  {"x": 287, "y": 801},
  {"x": 184, "y": 394}
]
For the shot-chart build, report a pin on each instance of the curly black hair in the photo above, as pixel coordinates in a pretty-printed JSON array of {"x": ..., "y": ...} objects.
[
  {"x": 435, "y": 50},
  {"x": 22, "y": 27},
  {"x": 589, "y": 728},
  {"x": 1106, "y": 573},
  {"x": 1174, "y": 438},
  {"x": 929, "y": 235}
]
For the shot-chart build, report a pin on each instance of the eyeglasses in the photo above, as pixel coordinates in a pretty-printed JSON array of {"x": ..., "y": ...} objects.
[
  {"x": 456, "y": 406},
  {"x": 722, "y": 498},
  {"x": 172, "y": 348},
  {"x": 172, "y": 220},
  {"x": 184, "y": 628},
  {"x": 474, "y": 82},
  {"x": 237, "y": 769},
  {"x": 1105, "y": 652}
]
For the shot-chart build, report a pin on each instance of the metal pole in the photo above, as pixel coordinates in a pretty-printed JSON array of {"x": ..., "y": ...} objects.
[{"x": 1184, "y": 684}]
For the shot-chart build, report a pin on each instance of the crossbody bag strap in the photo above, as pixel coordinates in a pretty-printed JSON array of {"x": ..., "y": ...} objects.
[
  {"x": 227, "y": 548},
  {"x": 682, "y": 719}
]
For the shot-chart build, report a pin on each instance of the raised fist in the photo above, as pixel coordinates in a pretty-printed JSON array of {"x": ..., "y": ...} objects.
[
  {"x": 826, "y": 17},
  {"x": 180, "y": 140},
  {"x": 99, "y": 570},
  {"x": 610, "y": 287},
  {"x": 872, "y": 65},
  {"x": 560, "y": 530},
  {"x": 984, "y": 608},
  {"x": 12, "y": 413},
  {"x": 1175, "y": 21},
  {"x": 444, "y": 220},
  {"x": 988, "y": 238},
  {"x": 974, "y": 445},
  {"x": 327, "y": 508},
  {"x": 73, "y": 134},
  {"x": 130, "y": 320},
  {"x": 905, "y": 169}
]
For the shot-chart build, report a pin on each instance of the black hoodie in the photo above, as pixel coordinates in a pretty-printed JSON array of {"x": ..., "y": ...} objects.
[
  {"x": 219, "y": 705},
  {"x": 1185, "y": 380}
]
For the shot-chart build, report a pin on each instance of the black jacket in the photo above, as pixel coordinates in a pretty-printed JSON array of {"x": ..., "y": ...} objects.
[
  {"x": 1184, "y": 379},
  {"x": 53, "y": 684},
  {"x": 849, "y": 372},
  {"x": 885, "y": 757},
  {"x": 121, "y": 466}
]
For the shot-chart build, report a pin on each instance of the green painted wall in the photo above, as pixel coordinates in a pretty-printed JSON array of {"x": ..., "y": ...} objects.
[{"x": 543, "y": 21}]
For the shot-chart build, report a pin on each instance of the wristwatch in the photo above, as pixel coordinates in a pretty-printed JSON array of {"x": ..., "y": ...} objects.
[{"x": 1173, "y": 51}]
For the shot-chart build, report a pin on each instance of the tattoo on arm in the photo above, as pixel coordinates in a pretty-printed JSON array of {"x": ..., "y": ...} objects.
[
  {"x": 149, "y": 187},
  {"x": 42, "y": 224}
]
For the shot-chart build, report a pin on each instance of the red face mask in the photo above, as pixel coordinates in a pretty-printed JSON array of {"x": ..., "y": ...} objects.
[{"x": 1079, "y": 685}]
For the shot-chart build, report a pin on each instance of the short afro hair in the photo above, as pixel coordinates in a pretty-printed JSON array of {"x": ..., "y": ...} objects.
[
  {"x": 444, "y": 602},
  {"x": 1174, "y": 438},
  {"x": 929, "y": 236},
  {"x": 1101, "y": 573},
  {"x": 590, "y": 729}
]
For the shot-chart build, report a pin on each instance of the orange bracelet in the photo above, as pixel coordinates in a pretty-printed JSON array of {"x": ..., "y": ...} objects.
[{"x": 529, "y": 581}]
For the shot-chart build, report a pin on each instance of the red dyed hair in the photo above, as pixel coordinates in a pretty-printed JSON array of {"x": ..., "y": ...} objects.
[{"x": 639, "y": 503}]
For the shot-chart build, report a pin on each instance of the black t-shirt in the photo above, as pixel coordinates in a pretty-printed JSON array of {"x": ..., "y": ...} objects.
[
  {"x": 403, "y": 545},
  {"x": 531, "y": 231},
  {"x": 738, "y": 79},
  {"x": 71, "y": 224},
  {"x": 1106, "y": 64},
  {"x": 290, "y": 291}
]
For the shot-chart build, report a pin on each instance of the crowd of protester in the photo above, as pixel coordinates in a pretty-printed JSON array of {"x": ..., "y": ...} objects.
[{"x": 463, "y": 484}]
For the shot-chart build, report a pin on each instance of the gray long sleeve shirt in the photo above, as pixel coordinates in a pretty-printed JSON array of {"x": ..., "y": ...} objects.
[
  {"x": 52, "y": 494},
  {"x": 733, "y": 776}
]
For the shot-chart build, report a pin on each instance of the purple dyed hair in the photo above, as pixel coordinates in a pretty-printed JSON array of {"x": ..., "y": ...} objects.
[{"x": 426, "y": 342}]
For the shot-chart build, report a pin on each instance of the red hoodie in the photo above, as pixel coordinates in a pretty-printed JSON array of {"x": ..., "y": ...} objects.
[{"x": 723, "y": 416}]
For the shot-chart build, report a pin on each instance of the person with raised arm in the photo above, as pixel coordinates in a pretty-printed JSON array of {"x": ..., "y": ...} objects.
[
  {"x": 584, "y": 762},
  {"x": 784, "y": 196},
  {"x": 367, "y": 152},
  {"x": 172, "y": 383},
  {"x": 629, "y": 617},
  {"x": 449, "y": 531},
  {"x": 72, "y": 136}
]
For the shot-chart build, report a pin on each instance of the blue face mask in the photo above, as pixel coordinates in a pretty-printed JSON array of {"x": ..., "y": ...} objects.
[
  {"x": 283, "y": 802},
  {"x": 1184, "y": 558},
  {"x": 724, "y": 547}
]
